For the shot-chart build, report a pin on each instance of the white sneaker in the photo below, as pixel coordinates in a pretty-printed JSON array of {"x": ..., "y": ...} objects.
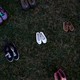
[
  {"x": 43, "y": 37},
  {"x": 38, "y": 38}
]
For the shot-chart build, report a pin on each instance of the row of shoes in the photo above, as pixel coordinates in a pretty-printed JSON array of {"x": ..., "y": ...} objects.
[
  {"x": 27, "y": 4},
  {"x": 3, "y": 15}
]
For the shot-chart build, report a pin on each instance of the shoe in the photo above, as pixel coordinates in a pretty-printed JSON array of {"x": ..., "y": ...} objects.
[
  {"x": 62, "y": 74},
  {"x": 3, "y": 14},
  {"x": 15, "y": 52},
  {"x": 38, "y": 38},
  {"x": 71, "y": 27},
  {"x": 32, "y": 3},
  {"x": 65, "y": 26},
  {"x": 25, "y": 4},
  {"x": 43, "y": 37},
  {"x": 1, "y": 20},
  {"x": 8, "y": 53}
]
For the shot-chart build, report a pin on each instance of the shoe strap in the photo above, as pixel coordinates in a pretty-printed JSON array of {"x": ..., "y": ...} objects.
[{"x": 8, "y": 54}]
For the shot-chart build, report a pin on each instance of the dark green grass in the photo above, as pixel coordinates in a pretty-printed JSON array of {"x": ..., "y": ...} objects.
[{"x": 39, "y": 62}]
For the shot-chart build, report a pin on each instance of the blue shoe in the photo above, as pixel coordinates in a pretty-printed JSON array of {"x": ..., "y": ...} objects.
[
  {"x": 8, "y": 53},
  {"x": 15, "y": 52}
]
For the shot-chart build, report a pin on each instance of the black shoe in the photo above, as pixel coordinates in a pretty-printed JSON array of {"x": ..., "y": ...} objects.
[
  {"x": 32, "y": 3},
  {"x": 8, "y": 53},
  {"x": 15, "y": 52},
  {"x": 25, "y": 5}
]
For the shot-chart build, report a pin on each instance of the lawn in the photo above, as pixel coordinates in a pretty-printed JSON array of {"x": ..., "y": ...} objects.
[{"x": 39, "y": 62}]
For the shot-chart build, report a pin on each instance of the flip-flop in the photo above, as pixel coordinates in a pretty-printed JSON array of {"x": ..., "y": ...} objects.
[
  {"x": 3, "y": 14},
  {"x": 25, "y": 5},
  {"x": 71, "y": 27},
  {"x": 57, "y": 76},
  {"x": 43, "y": 37},
  {"x": 8, "y": 53},
  {"x": 32, "y": 3},
  {"x": 14, "y": 50},
  {"x": 62, "y": 74},
  {"x": 1, "y": 20},
  {"x": 65, "y": 26},
  {"x": 38, "y": 38}
]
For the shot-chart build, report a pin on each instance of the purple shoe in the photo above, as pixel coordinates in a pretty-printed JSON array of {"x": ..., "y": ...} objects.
[
  {"x": 1, "y": 20},
  {"x": 3, "y": 14}
]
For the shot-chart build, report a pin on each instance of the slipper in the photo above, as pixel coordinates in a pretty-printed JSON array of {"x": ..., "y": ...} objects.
[
  {"x": 8, "y": 53},
  {"x": 32, "y": 3},
  {"x": 3, "y": 14},
  {"x": 14, "y": 50},
  {"x": 43, "y": 37},
  {"x": 65, "y": 26},
  {"x": 71, "y": 27},
  {"x": 25, "y": 4}
]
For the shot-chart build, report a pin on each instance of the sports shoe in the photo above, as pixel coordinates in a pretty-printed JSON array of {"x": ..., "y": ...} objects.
[
  {"x": 38, "y": 38},
  {"x": 15, "y": 52},
  {"x": 8, "y": 53},
  {"x": 3, "y": 14},
  {"x": 43, "y": 37},
  {"x": 32, "y": 3},
  {"x": 25, "y": 4}
]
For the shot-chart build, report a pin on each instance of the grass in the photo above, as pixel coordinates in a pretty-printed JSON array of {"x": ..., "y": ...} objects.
[{"x": 39, "y": 62}]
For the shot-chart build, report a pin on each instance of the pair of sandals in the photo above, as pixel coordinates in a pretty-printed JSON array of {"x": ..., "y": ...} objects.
[
  {"x": 59, "y": 75},
  {"x": 40, "y": 37},
  {"x": 26, "y": 4},
  {"x": 68, "y": 26},
  {"x": 11, "y": 52},
  {"x": 3, "y": 15}
]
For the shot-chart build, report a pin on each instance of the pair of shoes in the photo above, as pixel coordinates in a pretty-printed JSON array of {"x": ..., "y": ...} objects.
[
  {"x": 11, "y": 52},
  {"x": 67, "y": 26},
  {"x": 26, "y": 4},
  {"x": 40, "y": 37},
  {"x": 3, "y": 15},
  {"x": 60, "y": 75}
]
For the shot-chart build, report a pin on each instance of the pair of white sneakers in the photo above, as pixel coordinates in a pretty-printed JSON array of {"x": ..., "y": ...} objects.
[{"x": 40, "y": 37}]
